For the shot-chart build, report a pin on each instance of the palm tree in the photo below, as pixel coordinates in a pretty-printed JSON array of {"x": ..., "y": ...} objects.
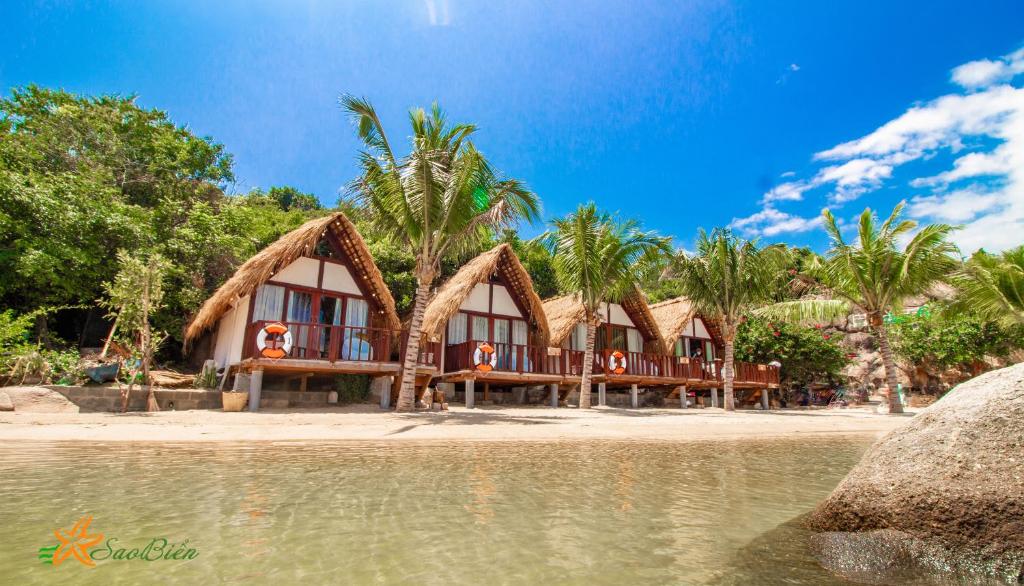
[
  {"x": 992, "y": 286},
  {"x": 874, "y": 276},
  {"x": 725, "y": 279},
  {"x": 600, "y": 259},
  {"x": 441, "y": 199}
]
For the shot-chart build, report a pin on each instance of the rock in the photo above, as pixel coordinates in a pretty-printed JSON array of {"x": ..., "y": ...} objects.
[
  {"x": 5, "y": 402},
  {"x": 943, "y": 493},
  {"x": 39, "y": 400}
]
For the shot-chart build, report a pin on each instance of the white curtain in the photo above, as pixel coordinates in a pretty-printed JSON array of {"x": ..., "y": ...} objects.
[
  {"x": 300, "y": 309},
  {"x": 579, "y": 337},
  {"x": 480, "y": 329},
  {"x": 268, "y": 303},
  {"x": 457, "y": 328},
  {"x": 356, "y": 343},
  {"x": 518, "y": 332},
  {"x": 634, "y": 341},
  {"x": 501, "y": 331}
]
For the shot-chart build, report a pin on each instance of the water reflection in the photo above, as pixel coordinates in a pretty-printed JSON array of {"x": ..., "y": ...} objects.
[{"x": 565, "y": 512}]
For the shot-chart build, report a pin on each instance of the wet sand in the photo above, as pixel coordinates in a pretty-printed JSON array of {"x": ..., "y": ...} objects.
[{"x": 367, "y": 422}]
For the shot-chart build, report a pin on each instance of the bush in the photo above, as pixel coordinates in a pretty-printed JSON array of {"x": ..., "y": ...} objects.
[
  {"x": 40, "y": 366},
  {"x": 352, "y": 388},
  {"x": 949, "y": 339},
  {"x": 807, "y": 354}
]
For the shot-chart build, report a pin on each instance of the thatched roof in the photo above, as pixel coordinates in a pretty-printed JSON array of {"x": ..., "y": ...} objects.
[
  {"x": 501, "y": 260},
  {"x": 565, "y": 312},
  {"x": 672, "y": 317},
  {"x": 297, "y": 243}
]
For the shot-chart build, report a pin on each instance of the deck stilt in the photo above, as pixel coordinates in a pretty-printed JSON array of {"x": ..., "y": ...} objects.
[
  {"x": 554, "y": 394},
  {"x": 602, "y": 394},
  {"x": 764, "y": 399},
  {"x": 470, "y": 393},
  {"x": 683, "y": 400},
  {"x": 714, "y": 397},
  {"x": 255, "y": 387},
  {"x": 634, "y": 396}
]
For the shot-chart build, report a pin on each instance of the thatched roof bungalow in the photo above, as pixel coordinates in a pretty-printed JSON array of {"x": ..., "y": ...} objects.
[
  {"x": 629, "y": 324},
  {"x": 321, "y": 283},
  {"x": 489, "y": 304},
  {"x": 684, "y": 331}
]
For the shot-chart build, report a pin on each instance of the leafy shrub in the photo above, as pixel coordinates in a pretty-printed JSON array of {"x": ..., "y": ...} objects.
[
  {"x": 42, "y": 366},
  {"x": 947, "y": 339},
  {"x": 352, "y": 388},
  {"x": 807, "y": 354}
]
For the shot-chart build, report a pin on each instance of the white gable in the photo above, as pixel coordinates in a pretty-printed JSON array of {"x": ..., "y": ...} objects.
[
  {"x": 231, "y": 334},
  {"x": 617, "y": 315},
  {"x": 338, "y": 278},
  {"x": 699, "y": 330},
  {"x": 503, "y": 303},
  {"x": 478, "y": 300},
  {"x": 304, "y": 271}
]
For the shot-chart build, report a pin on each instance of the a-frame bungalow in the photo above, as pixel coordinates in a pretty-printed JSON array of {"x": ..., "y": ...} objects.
[
  {"x": 493, "y": 331},
  {"x": 311, "y": 305}
]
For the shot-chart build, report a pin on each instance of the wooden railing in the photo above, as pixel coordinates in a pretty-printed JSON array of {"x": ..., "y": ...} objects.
[
  {"x": 541, "y": 360},
  {"x": 350, "y": 343},
  {"x": 677, "y": 367}
]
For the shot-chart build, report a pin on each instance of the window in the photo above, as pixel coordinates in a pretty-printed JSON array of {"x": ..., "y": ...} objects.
[
  {"x": 268, "y": 304},
  {"x": 457, "y": 328},
  {"x": 519, "y": 332},
  {"x": 634, "y": 341},
  {"x": 481, "y": 332},
  {"x": 618, "y": 340},
  {"x": 356, "y": 345},
  {"x": 578, "y": 338},
  {"x": 680, "y": 347}
]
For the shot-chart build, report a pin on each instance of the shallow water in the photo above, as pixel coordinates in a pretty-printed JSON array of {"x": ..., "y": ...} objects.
[{"x": 433, "y": 513}]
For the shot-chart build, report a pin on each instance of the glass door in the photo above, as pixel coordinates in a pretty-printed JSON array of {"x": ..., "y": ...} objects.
[
  {"x": 330, "y": 315},
  {"x": 356, "y": 342},
  {"x": 300, "y": 314}
]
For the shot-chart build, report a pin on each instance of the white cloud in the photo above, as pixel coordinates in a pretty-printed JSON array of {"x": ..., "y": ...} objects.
[
  {"x": 954, "y": 207},
  {"x": 985, "y": 72},
  {"x": 984, "y": 126},
  {"x": 794, "y": 67},
  {"x": 772, "y": 222},
  {"x": 792, "y": 191}
]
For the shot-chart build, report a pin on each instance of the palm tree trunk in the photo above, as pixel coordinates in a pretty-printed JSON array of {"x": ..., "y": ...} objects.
[
  {"x": 407, "y": 392},
  {"x": 895, "y": 406},
  {"x": 588, "y": 365},
  {"x": 727, "y": 396}
]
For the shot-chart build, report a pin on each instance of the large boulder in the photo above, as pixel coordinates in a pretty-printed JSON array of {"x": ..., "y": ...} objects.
[
  {"x": 945, "y": 493},
  {"x": 38, "y": 400}
]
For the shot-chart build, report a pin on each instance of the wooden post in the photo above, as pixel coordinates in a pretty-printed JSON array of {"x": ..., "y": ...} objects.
[
  {"x": 634, "y": 397},
  {"x": 470, "y": 393},
  {"x": 764, "y": 399},
  {"x": 602, "y": 394},
  {"x": 714, "y": 397},
  {"x": 383, "y": 384},
  {"x": 554, "y": 394},
  {"x": 255, "y": 387},
  {"x": 683, "y": 400},
  {"x": 487, "y": 391}
]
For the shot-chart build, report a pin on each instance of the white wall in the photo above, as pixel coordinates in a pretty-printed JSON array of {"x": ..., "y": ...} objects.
[
  {"x": 231, "y": 334},
  {"x": 338, "y": 278},
  {"x": 503, "y": 303},
  {"x": 699, "y": 330},
  {"x": 304, "y": 271},
  {"x": 478, "y": 299},
  {"x": 618, "y": 316}
]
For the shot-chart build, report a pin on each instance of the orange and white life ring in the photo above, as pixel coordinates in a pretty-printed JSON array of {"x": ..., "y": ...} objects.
[
  {"x": 485, "y": 358},
  {"x": 617, "y": 362},
  {"x": 274, "y": 341}
]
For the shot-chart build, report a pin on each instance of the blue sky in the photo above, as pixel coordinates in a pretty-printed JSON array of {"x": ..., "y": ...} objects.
[{"x": 682, "y": 114}]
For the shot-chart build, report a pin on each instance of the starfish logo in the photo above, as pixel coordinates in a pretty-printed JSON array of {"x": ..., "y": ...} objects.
[{"x": 75, "y": 542}]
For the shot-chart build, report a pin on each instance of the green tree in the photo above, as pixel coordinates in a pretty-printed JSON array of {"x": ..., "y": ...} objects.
[
  {"x": 442, "y": 198},
  {"x": 874, "y": 276},
  {"x": 944, "y": 339},
  {"x": 601, "y": 259},
  {"x": 726, "y": 278},
  {"x": 993, "y": 286},
  {"x": 286, "y": 198},
  {"x": 807, "y": 354}
]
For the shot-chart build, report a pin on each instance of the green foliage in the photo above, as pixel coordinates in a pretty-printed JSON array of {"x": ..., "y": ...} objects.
[
  {"x": 727, "y": 277},
  {"x": 284, "y": 198},
  {"x": 14, "y": 329},
  {"x": 32, "y": 364},
  {"x": 993, "y": 286},
  {"x": 352, "y": 388},
  {"x": 874, "y": 275},
  {"x": 601, "y": 258},
  {"x": 807, "y": 354},
  {"x": 81, "y": 177},
  {"x": 952, "y": 339}
]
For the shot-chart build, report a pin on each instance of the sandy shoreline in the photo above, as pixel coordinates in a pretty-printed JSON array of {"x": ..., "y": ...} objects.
[{"x": 368, "y": 423}]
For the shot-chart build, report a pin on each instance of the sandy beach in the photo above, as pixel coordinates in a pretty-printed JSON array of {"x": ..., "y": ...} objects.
[{"x": 367, "y": 422}]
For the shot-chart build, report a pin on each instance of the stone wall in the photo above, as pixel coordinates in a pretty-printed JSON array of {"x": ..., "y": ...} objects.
[{"x": 108, "y": 399}]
